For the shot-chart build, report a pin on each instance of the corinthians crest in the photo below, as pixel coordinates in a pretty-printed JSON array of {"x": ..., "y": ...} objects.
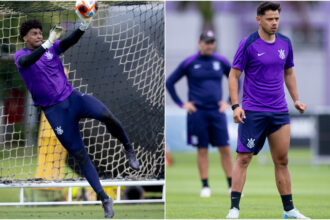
[
  {"x": 250, "y": 143},
  {"x": 216, "y": 65},
  {"x": 49, "y": 55},
  {"x": 59, "y": 130},
  {"x": 281, "y": 54}
]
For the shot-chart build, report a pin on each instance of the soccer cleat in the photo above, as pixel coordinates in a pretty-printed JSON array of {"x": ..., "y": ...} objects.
[
  {"x": 107, "y": 206},
  {"x": 132, "y": 160},
  {"x": 294, "y": 213},
  {"x": 233, "y": 213},
  {"x": 205, "y": 192}
]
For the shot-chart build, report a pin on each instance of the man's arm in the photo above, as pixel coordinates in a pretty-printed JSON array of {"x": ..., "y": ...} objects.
[
  {"x": 291, "y": 84},
  {"x": 227, "y": 72},
  {"x": 170, "y": 82},
  {"x": 233, "y": 79},
  {"x": 33, "y": 57},
  {"x": 71, "y": 40},
  {"x": 233, "y": 84}
]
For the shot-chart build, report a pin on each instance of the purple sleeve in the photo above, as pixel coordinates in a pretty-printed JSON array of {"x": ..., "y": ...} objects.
[
  {"x": 240, "y": 58},
  {"x": 18, "y": 55},
  {"x": 289, "y": 60},
  {"x": 172, "y": 79},
  {"x": 57, "y": 48}
]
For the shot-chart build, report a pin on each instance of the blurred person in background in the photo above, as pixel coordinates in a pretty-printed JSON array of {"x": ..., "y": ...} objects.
[{"x": 207, "y": 122}]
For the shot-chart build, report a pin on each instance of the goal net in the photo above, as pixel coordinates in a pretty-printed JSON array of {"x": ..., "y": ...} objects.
[{"x": 119, "y": 60}]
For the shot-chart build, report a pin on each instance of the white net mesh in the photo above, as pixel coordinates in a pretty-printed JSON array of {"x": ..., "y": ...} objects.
[{"x": 119, "y": 60}]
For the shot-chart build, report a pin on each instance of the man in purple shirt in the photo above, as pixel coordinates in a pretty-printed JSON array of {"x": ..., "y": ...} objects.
[
  {"x": 266, "y": 57},
  {"x": 43, "y": 73}
]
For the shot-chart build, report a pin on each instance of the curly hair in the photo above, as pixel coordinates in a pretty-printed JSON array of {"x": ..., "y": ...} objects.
[{"x": 26, "y": 26}]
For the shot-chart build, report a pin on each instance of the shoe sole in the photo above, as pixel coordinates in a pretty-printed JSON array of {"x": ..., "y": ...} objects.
[{"x": 288, "y": 217}]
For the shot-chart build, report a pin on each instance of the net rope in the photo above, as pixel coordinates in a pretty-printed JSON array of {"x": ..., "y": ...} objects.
[{"x": 119, "y": 60}]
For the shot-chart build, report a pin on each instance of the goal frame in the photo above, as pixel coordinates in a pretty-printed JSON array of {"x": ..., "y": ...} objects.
[{"x": 70, "y": 184}]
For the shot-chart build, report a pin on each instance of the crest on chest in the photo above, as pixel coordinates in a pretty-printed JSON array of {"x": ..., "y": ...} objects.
[
  {"x": 49, "y": 55},
  {"x": 216, "y": 65},
  {"x": 281, "y": 54}
]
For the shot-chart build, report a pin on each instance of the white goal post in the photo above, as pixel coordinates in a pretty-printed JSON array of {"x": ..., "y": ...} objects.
[{"x": 69, "y": 185}]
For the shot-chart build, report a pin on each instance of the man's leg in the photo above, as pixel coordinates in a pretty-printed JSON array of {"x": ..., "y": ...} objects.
[
  {"x": 219, "y": 137},
  {"x": 203, "y": 168},
  {"x": 203, "y": 162},
  {"x": 94, "y": 108},
  {"x": 238, "y": 180},
  {"x": 226, "y": 162},
  {"x": 239, "y": 175},
  {"x": 279, "y": 143},
  {"x": 67, "y": 131}
]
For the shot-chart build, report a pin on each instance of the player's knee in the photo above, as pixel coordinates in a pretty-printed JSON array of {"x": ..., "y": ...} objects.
[
  {"x": 244, "y": 160},
  {"x": 81, "y": 156},
  {"x": 202, "y": 152},
  {"x": 281, "y": 161}
]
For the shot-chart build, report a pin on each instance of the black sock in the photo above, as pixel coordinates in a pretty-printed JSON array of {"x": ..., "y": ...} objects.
[
  {"x": 235, "y": 198},
  {"x": 128, "y": 147},
  {"x": 102, "y": 195},
  {"x": 229, "y": 181},
  {"x": 205, "y": 182},
  {"x": 287, "y": 202}
]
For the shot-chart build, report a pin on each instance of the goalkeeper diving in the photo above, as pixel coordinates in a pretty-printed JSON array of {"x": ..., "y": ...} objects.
[{"x": 42, "y": 71}]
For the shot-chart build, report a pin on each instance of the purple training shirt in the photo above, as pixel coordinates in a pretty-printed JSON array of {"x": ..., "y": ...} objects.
[
  {"x": 264, "y": 64},
  {"x": 45, "y": 79}
]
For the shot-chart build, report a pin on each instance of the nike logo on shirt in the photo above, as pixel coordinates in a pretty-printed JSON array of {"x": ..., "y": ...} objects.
[{"x": 260, "y": 54}]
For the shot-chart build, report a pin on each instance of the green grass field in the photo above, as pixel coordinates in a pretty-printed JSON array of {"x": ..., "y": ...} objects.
[
  {"x": 310, "y": 184},
  {"x": 122, "y": 211},
  {"x": 143, "y": 211}
]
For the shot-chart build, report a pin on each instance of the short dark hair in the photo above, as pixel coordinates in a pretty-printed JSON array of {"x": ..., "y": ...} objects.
[
  {"x": 265, "y": 6},
  {"x": 26, "y": 26}
]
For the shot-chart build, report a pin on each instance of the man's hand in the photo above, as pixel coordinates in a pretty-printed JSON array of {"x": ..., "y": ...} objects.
[
  {"x": 239, "y": 115},
  {"x": 223, "y": 106},
  {"x": 85, "y": 21},
  {"x": 54, "y": 34},
  {"x": 301, "y": 107},
  {"x": 190, "y": 107}
]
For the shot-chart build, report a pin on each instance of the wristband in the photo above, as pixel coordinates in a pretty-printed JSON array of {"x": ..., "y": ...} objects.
[
  {"x": 47, "y": 44},
  {"x": 296, "y": 102},
  {"x": 234, "y": 106},
  {"x": 83, "y": 26}
]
